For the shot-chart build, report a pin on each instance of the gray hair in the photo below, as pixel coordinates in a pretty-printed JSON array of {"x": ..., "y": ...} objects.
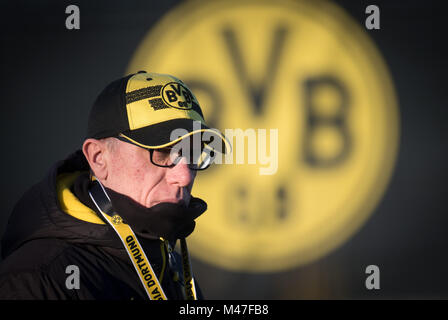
[{"x": 111, "y": 143}]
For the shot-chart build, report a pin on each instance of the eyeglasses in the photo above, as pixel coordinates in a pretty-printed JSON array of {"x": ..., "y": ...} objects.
[{"x": 170, "y": 157}]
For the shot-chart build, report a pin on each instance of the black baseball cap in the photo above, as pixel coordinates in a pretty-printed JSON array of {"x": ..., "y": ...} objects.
[{"x": 145, "y": 108}]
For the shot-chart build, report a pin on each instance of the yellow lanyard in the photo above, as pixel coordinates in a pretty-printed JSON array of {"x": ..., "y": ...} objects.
[
  {"x": 190, "y": 289},
  {"x": 136, "y": 253}
]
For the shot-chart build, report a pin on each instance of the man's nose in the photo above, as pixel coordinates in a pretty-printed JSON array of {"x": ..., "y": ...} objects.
[{"x": 181, "y": 174}]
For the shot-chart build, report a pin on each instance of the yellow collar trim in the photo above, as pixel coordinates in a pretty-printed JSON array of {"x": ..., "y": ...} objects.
[{"x": 68, "y": 201}]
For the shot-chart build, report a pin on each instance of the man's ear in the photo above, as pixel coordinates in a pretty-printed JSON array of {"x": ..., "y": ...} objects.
[{"x": 94, "y": 151}]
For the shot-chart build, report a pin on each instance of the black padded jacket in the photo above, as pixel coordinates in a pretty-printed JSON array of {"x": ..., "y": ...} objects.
[{"x": 53, "y": 227}]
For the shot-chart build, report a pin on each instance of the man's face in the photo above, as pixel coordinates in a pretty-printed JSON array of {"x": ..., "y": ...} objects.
[{"x": 130, "y": 172}]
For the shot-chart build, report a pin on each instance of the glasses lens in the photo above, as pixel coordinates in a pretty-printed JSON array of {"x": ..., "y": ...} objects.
[
  {"x": 205, "y": 160},
  {"x": 169, "y": 157},
  {"x": 164, "y": 157}
]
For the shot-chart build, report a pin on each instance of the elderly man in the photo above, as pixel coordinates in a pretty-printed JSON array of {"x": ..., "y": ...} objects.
[{"x": 104, "y": 222}]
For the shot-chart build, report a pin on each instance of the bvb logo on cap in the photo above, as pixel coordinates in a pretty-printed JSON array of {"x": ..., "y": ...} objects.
[
  {"x": 310, "y": 71},
  {"x": 177, "y": 96}
]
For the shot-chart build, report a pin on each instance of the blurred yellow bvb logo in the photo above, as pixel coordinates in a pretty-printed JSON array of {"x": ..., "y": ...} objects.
[{"x": 310, "y": 71}]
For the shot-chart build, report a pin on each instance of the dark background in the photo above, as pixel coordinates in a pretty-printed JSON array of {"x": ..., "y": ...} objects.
[{"x": 51, "y": 76}]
